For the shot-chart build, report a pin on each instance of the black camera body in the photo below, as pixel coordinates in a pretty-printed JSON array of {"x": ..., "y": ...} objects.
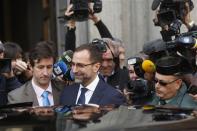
[
  {"x": 171, "y": 13},
  {"x": 138, "y": 86},
  {"x": 81, "y": 8},
  {"x": 171, "y": 10},
  {"x": 5, "y": 65},
  {"x": 100, "y": 44}
]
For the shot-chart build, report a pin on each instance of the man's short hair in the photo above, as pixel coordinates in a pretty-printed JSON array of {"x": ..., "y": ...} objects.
[
  {"x": 113, "y": 46},
  {"x": 95, "y": 53},
  {"x": 42, "y": 50}
]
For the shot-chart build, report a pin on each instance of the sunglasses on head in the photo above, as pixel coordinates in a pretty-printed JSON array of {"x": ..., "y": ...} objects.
[{"x": 164, "y": 83}]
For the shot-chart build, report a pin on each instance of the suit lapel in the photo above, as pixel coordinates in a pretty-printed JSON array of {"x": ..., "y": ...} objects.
[
  {"x": 73, "y": 94},
  {"x": 98, "y": 93},
  {"x": 30, "y": 94},
  {"x": 56, "y": 94}
]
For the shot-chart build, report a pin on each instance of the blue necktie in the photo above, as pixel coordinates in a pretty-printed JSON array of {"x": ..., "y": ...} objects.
[
  {"x": 45, "y": 99},
  {"x": 81, "y": 99}
]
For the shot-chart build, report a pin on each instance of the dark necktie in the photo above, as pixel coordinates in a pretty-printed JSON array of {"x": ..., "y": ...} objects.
[
  {"x": 81, "y": 99},
  {"x": 45, "y": 99},
  {"x": 162, "y": 102}
]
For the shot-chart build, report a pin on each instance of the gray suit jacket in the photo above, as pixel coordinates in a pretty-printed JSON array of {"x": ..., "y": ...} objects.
[{"x": 26, "y": 93}]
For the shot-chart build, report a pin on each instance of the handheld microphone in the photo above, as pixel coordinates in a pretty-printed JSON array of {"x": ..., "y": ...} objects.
[
  {"x": 69, "y": 75},
  {"x": 155, "y": 4},
  {"x": 67, "y": 56},
  {"x": 60, "y": 68},
  {"x": 148, "y": 66}
]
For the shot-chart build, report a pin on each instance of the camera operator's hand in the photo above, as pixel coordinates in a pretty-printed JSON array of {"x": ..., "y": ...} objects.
[
  {"x": 187, "y": 17},
  {"x": 68, "y": 13},
  {"x": 156, "y": 22},
  {"x": 155, "y": 19},
  {"x": 92, "y": 16},
  {"x": 20, "y": 66},
  {"x": 127, "y": 95}
]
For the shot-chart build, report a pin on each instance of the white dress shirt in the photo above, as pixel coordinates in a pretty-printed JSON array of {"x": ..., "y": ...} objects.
[
  {"x": 39, "y": 91},
  {"x": 91, "y": 87}
]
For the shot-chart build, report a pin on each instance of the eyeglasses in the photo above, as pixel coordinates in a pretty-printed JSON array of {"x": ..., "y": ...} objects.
[
  {"x": 80, "y": 65},
  {"x": 163, "y": 83}
]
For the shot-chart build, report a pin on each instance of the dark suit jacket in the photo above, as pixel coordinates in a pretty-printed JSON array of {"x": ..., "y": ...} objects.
[
  {"x": 104, "y": 94},
  {"x": 26, "y": 93}
]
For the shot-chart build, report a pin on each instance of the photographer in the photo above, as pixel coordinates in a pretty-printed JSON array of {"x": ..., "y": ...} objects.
[
  {"x": 139, "y": 89},
  {"x": 8, "y": 81},
  {"x": 187, "y": 21},
  {"x": 20, "y": 68},
  {"x": 71, "y": 27},
  {"x": 171, "y": 15},
  {"x": 110, "y": 67}
]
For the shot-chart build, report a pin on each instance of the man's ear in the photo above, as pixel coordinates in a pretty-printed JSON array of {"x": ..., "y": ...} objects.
[
  {"x": 179, "y": 82},
  {"x": 96, "y": 67}
]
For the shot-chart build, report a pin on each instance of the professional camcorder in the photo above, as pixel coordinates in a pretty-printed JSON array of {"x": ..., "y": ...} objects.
[
  {"x": 141, "y": 93},
  {"x": 81, "y": 8},
  {"x": 171, "y": 13},
  {"x": 182, "y": 46},
  {"x": 137, "y": 86}
]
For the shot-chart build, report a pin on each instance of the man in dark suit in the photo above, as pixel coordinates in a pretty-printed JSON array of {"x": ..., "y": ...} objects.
[
  {"x": 88, "y": 87},
  {"x": 40, "y": 90}
]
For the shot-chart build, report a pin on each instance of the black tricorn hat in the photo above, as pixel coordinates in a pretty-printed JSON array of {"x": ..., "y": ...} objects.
[{"x": 169, "y": 65}]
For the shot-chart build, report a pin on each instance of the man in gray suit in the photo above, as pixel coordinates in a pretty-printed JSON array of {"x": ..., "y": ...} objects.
[{"x": 40, "y": 90}]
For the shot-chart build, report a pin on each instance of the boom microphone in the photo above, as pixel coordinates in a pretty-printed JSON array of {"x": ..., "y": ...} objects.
[
  {"x": 155, "y": 4},
  {"x": 148, "y": 66}
]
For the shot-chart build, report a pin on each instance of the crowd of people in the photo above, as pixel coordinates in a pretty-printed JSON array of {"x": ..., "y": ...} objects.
[{"x": 101, "y": 76}]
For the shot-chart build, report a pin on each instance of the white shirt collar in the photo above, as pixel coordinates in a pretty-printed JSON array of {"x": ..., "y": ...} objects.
[
  {"x": 38, "y": 90},
  {"x": 92, "y": 85}
]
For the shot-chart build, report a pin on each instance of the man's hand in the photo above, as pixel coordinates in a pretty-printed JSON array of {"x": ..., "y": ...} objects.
[
  {"x": 68, "y": 13},
  {"x": 187, "y": 17},
  {"x": 92, "y": 16},
  {"x": 194, "y": 96},
  {"x": 20, "y": 66}
]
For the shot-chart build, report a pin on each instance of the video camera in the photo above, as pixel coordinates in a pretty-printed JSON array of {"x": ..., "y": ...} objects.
[
  {"x": 171, "y": 13},
  {"x": 137, "y": 86},
  {"x": 182, "y": 46},
  {"x": 81, "y": 8}
]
